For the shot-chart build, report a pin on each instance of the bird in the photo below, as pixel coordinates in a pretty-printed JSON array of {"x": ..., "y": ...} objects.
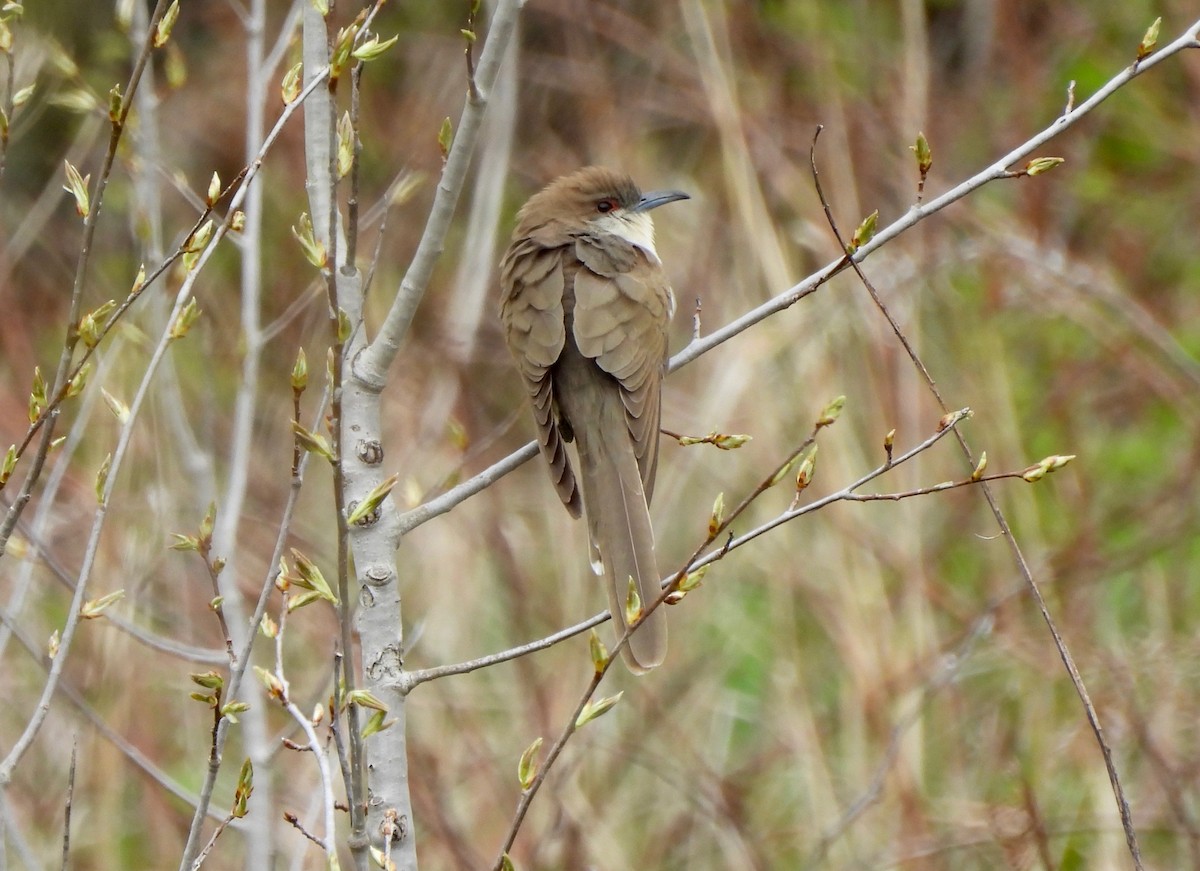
[{"x": 585, "y": 306}]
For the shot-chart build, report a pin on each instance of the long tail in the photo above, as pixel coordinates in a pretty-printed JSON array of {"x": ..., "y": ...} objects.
[{"x": 619, "y": 523}]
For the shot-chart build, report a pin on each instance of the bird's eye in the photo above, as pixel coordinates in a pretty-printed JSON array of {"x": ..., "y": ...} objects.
[{"x": 606, "y": 205}]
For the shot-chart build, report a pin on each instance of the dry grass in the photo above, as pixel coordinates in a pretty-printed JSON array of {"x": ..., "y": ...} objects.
[{"x": 832, "y": 698}]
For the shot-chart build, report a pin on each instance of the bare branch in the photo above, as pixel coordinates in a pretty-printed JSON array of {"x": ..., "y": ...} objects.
[{"x": 372, "y": 363}]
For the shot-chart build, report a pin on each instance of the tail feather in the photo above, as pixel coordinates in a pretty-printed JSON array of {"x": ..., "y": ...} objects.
[{"x": 619, "y": 523}]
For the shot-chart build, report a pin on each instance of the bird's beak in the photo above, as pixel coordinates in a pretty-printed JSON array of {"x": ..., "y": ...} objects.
[{"x": 654, "y": 199}]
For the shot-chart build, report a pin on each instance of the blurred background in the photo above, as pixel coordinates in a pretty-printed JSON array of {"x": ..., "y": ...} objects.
[{"x": 868, "y": 687}]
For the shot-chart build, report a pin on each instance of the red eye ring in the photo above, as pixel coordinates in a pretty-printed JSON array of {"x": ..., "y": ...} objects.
[{"x": 606, "y": 205}]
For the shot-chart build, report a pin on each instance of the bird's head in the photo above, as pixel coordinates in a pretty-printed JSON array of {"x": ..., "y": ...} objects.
[{"x": 594, "y": 199}]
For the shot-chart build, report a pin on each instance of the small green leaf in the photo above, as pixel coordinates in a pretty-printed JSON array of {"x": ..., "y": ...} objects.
[
  {"x": 804, "y": 474},
  {"x": 593, "y": 710},
  {"x": 139, "y": 281},
  {"x": 77, "y": 187},
  {"x": 312, "y": 442},
  {"x": 91, "y": 324},
  {"x": 373, "y": 48},
  {"x": 864, "y": 232},
  {"x": 93, "y": 608},
  {"x": 342, "y": 46},
  {"x": 185, "y": 319},
  {"x": 119, "y": 409},
  {"x": 184, "y": 542},
  {"x": 300, "y": 372},
  {"x": 274, "y": 685},
  {"x": 314, "y": 251},
  {"x": 345, "y": 145},
  {"x": 210, "y": 680},
  {"x": 245, "y": 786},
  {"x": 692, "y": 579},
  {"x": 782, "y": 471},
  {"x": 1150, "y": 40},
  {"x": 114, "y": 103},
  {"x": 21, "y": 97},
  {"x": 717, "y": 515},
  {"x": 162, "y": 32},
  {"x": 527, "y": 768},
  {"x": 365, "y": 699},
  {"x": 1039, "y": 165},
  {"x": 311, "y": 578},
  {"x": 598, "y": 651},
  {"x": 371, "y": 501},
  {"x": 290, "y": 87},
  {"x": 832, "y": 411},
  {"x": 376, "y": 724},
  {"x": 445, "y": 137},
  {"x": 102, "y": 478},
  {"x": 207, "y": 525},
  {"x": 38, "y": 392},
  {"x": 923, "y": 153},
  {"x": 730, "y": 442},
  {"x": 9, "y": 464},
  {"x": 633, "y": 602}
]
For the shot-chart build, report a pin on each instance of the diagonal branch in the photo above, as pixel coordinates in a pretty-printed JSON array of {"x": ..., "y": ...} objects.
[
  {"x": 372, "y": 363},
  {"x": 443, "y": 503}
]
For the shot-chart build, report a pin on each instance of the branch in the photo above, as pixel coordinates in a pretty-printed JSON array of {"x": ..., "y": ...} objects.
[
  {"x": 700, "y": 346},
  {"x": 372, "y": 363}
]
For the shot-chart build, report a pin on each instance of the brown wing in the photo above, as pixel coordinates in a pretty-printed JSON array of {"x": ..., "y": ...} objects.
[
  {"x": 531, "y": 311},
  {"x": 622, "y": 306}
]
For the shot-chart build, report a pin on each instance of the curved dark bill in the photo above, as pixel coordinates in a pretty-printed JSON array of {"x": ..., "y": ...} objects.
[{"x": 654, "y": 199}]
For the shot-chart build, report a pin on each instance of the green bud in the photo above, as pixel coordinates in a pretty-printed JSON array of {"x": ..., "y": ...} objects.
[
  {"x": 923, "y": 153},
  {"x": 864, "y": 232},
  {"x": 593, "y": 710},
  {"x": 300, "y": 372},
  {"x": 717, "y": 515},
  {"x": 372, "y": 501},
  {"x": 372, "y": 48},
  {"x": 598, "y": 651},
  {"x": 102, "y": 478},
  {"x": 445, "y": 137},
  {"x": 1150, "y": 40},
  {"x": 633, "y": 602},
  {"x": 832, "y": 411},
  {"x": 77, "y": 187},
  {"x": 290, "y": 88},
  {"x": 527, "y": 768},
  {"x": 162, "y": 32},
  {"x": 1039, "y": 165},
  {"x": 210, "y": 680},
  {"x": 93, "y": 608}
]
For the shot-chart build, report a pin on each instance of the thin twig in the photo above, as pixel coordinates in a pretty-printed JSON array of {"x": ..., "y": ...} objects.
[
  {"x": 697, "y": 560},
  {"x": 1018, "y": 556},
  {"x": 372, "y": 363},
  {"x": 66, "y": 847},
  {"x": 81, "y": 275},
  {"x": 699, "y": 346}
]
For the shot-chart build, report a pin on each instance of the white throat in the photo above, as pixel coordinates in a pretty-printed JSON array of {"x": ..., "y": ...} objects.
[{"x": 636, "y": 228}]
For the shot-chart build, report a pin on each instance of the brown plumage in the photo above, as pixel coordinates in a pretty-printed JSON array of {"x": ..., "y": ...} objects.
[{"x": 585, "y": 307}]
